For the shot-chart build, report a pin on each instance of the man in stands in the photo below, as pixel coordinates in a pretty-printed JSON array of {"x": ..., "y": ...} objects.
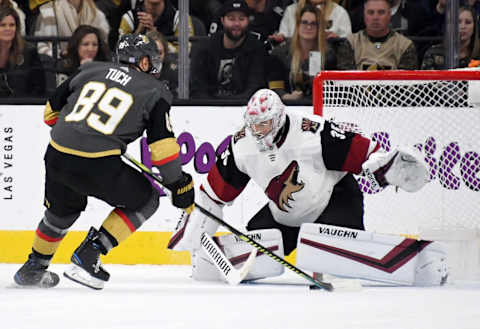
[
  {"x": 297, "y": 161},
  {"x": 231, "y": 63},
  {"x": 94, "y": 115},
  {"x": 377, "y": 47}
]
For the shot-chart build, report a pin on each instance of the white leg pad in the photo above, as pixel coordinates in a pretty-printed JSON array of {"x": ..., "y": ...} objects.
[
  {"x": 371, "y": 256},
  {"x": 237, "y": 251}
]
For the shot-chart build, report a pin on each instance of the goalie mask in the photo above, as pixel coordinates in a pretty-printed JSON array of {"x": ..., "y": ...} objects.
[
  {"x": 264, "y": 117},
  {"x": 131, "y": 48}
]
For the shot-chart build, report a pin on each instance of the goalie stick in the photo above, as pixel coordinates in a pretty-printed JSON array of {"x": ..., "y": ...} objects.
[
  {"x": 317, "y": 283},
  {"x": 231, "y": 274},
  {"x": 224, "y": 266}
]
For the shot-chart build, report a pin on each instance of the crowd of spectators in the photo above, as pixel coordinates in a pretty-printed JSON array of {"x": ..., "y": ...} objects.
[{"x": 236, "y": 46}]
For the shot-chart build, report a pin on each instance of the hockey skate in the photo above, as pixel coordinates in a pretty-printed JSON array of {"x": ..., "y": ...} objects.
[
  {"x": 87, "y": 268},
  {"x": 34, "y": 274}
]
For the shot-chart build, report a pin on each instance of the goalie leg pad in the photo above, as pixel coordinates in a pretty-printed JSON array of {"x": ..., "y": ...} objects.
[
  {"x": 237, "y": 251},
  {"x": 371, "y": 256},
  {"x": 403, "y": 167}
]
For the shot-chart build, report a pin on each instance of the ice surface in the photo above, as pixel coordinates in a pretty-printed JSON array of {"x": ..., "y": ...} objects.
[{"x": 165, "y": 297}]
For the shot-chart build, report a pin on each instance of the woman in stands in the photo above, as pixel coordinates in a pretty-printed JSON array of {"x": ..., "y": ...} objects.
[
  {"x": 337, "y": 20},
  {"x": 289, "y": 65},
  {"x": 21, "y": 14},
  {"x": 169, "y": 71},
  {"x": 86, "y": 44},
  {"x": 21, "y": 73},
  {"x": 62, "y": 17},
  {"x": 434, "y": 58}
]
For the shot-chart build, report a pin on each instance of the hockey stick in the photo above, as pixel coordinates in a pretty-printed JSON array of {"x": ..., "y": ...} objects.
[
  {"x": 317, "y": 283},
  {"x": 224, "y": 266},
  {"x": 232, "y": 275}
]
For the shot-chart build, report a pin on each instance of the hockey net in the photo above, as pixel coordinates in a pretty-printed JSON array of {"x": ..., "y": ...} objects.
[{"x": 439, "y": 113}]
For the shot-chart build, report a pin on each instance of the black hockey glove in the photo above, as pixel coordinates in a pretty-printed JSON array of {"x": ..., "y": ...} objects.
[{"x": 183, "y": 194}]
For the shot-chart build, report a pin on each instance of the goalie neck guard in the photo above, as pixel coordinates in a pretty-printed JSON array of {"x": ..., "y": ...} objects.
[
  {"x": 263, "y": 106},
  {"x": 131, "y": 48}
]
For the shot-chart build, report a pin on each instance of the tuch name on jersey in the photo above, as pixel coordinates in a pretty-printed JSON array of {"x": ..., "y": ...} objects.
[{"x": 118, "y": 76}]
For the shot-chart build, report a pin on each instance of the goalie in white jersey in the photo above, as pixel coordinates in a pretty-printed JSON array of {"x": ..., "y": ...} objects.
[{"x": 305, "y": 164}]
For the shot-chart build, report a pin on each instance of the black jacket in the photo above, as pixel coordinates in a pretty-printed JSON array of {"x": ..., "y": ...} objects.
[
  {"x": 227, "y": 73},
  {"x": 24, "y": 79}
]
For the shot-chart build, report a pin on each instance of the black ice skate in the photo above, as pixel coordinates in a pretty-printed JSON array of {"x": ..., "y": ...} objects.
[
  {"x": 87, "y": 268},
  {"x": 34, "y": 274}
]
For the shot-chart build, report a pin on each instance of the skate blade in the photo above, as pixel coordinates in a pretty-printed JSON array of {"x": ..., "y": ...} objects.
[
  {"x": 79, "y": 275},
  {"x": 48, "y": 280}
]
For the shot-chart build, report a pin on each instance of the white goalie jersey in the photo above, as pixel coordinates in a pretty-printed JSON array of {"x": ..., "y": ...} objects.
[{"x": 298, "y": 175}]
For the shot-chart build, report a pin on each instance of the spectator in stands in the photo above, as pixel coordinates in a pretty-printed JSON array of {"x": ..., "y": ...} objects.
[
  {"x": 62, "y": 17},
  {"x": 169, "y": 70},
  {"x": 21, "y": 73},
  {"x": 407, "y": 17},
  {"x": 337, "y": 19},
  {"x": 85, "y": 45},
  {"x": 20, "y": 13},
  {"x": 113, "y": 11},
  {"x": 377, "y": 47},
  {"x": 434, "y": 58},
  {"x": 288, "y": 68},
  {"x": 157, "y": 15},
  {"x": 264, "y": 20},
  {"x": 231, "y": 63}
]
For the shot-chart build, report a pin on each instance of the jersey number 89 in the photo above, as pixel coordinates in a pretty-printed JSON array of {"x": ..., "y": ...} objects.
[{"x": 114, "y": 102}]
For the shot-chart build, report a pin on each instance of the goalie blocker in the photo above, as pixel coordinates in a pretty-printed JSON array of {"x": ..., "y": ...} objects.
[{"x": 371, "y": 256}]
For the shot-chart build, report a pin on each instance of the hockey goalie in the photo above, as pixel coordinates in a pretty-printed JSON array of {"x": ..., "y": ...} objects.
[{"x": 305, "y": 166}]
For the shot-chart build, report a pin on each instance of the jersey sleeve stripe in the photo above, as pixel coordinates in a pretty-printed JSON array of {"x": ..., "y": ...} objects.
[
  {"x": 220, "y": 187},
  {"x": 357, "y": 154},
  {"x": 164, "y": 151},
  {"x": 49, "y": 115}
]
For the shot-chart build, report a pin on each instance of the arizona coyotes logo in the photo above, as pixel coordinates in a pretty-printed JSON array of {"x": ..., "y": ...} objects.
[
  {"x": 281, "y": 187},
  {"x": 309, "y": 125},
  {"x": 239, "y": 135}
]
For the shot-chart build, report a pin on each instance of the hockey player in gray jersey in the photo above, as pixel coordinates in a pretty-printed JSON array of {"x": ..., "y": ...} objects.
[
  {"x": 304, "y": 164},
  {"x": 94, "y": 115}
]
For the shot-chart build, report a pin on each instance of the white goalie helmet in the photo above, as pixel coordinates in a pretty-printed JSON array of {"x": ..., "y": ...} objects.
[{"x": 265, "y": 108}]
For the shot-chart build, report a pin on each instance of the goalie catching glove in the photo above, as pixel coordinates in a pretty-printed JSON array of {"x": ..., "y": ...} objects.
[
  {"x": 403, "y": 167},
  {"x": 183, "y": 193}
]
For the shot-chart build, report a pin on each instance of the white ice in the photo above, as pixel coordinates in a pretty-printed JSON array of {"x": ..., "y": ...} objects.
[{"x": 165, "y": 297}]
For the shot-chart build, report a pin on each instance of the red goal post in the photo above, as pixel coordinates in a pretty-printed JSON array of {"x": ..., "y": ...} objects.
[{"x": 438, "y": 112}]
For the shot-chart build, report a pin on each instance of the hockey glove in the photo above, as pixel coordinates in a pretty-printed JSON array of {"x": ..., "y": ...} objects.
[
  {"x": 403, "y": 167},
  {"x": 183, "y": 194}
]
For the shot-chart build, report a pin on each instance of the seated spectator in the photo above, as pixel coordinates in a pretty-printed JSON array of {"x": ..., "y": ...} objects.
[
  {"x": 377, "y": 47},
  {"x": 264, "y": 20},
  {"x": 434, "y": 58},
  {"x": 20, "y": 13},
  {"x": 157, "y": 15},
  {"x": 337, "y": 19},
  {"x": 412, "y": 18},
  {"x": 288, "y": 67},
  {"x": 21, "y": 73},
  {"x": 85, "y": 45},
  {"x": 169, "y": 71},
  {"x": 230, "y": 64},
  {"x": 62, "y": 17}
]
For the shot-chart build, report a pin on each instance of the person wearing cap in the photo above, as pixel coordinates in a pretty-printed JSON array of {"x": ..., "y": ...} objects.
[
  {"x": 230, "y": 64},
  {"x": 264, "y": 19}
]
